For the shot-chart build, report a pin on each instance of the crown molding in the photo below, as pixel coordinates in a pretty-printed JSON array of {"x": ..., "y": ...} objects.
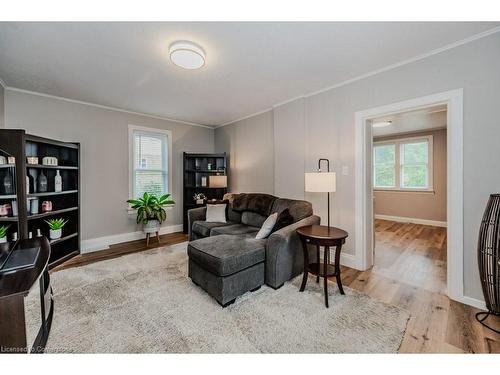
[
  {"x": 375, "y": 72},
  {"x": 109, "y": 108}
]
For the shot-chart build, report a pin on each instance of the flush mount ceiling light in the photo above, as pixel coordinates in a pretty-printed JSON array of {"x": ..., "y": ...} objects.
[
  {"x": 381, "y": 124},
  {"x": 187, "y": 55}
]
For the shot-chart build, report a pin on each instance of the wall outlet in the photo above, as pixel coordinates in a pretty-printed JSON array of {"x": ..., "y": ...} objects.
[{"x": 345, "y": 170}]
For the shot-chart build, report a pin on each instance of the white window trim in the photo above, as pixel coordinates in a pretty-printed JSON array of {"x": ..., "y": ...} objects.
[
  {"x": 397, "y": 166},
  {"x": 168, "y": 134}
]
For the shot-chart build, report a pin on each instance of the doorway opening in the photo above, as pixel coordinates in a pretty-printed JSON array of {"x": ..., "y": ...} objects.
[
  {"x": 409, "y": 190},
  {"x": 364, "y": 217}
]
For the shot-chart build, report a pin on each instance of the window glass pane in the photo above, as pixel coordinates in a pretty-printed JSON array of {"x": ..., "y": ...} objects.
[
  {"x": 148, "y": 151},
  {"x": 414, "y": 152},
  {"x": 149, "y": 181},
  {"x": 414, "y": 176},
  {"x": 384, "y": 154},
  {"x": 384, "y": 176}
]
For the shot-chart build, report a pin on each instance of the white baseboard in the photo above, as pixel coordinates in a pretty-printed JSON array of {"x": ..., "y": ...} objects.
[
  {"x": 402, "y": 219},
  {"x": 477, "y": 303},
  {"x": 350, "y": 261},
  {"x": 101, "y": 243}
]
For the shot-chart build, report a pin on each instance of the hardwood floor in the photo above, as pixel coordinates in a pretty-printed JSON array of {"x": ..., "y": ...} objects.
[
  {"x": 118, "y": 250},
  {"x": 409, "y": 272}
]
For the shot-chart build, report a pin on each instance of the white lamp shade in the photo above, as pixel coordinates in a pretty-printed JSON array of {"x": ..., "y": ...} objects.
[
  {"x": 217, "y": 181},
  {"x": 320, "y": 182}
]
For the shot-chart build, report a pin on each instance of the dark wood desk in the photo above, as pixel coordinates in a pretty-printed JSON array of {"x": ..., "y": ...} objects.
[
  {"x": 25, "y": 293},
  {"x": 321, "y": 235}
]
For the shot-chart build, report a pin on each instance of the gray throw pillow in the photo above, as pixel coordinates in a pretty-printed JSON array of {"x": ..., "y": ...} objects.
[
  {"x": 267, "y": 226},
  {"x": 216, "y": 213}
]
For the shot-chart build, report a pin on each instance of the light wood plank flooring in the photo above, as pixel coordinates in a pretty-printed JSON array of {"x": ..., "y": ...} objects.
[{"x": 409, "y": 271}]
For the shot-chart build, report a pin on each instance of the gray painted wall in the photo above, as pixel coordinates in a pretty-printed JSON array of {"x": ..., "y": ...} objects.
[
  {"x": 329, "y": 132},
  {"x": 103, "y": 135},
  {"x": 289, "y": 149},
  {"x": 2, "y": 107},
  {"x": 249, "y": 144}
]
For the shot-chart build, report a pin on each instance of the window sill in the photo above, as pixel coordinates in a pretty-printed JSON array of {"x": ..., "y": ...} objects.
[{"x": 424, "y": 191}]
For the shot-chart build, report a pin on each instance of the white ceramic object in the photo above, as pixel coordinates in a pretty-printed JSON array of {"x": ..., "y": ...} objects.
[
  {"x": 49, "y": 160},
  {"x": 152, "y": 226},
  {"x": 55, "y": 234},
  {"x": 14, "y": 208},
  {"x": 3, "y": 239},
  {"x": 34, "y": 206},
  {"x": 32, "y": 160},
  {"x": 3, "y": 160}
]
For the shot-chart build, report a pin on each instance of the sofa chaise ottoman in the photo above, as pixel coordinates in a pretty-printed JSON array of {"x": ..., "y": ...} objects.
[
  {"x": 225, "y": 258},
  {"x": 227, "y": 266}
]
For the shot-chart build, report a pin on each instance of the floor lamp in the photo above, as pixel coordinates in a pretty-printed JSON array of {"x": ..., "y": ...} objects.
[{"x": 321, "y": 182}]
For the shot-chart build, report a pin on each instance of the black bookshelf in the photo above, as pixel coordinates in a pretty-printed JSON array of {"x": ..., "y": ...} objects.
[
  {"x": 198, "y": 168},
  {"x": 65, "y": 204}
]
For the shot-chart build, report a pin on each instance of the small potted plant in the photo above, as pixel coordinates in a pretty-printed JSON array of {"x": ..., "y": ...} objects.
[
  {"x": 151, "y": 211},
  {"x": 55, "y": 226},
  {"x": 3, "y": 233}
]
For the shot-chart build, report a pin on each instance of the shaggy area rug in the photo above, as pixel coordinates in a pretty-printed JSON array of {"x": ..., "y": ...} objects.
[{"x": 145, "y": 303}]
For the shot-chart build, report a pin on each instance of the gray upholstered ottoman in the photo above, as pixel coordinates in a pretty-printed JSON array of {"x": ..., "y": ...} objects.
[{"x": 227, "y": 266}]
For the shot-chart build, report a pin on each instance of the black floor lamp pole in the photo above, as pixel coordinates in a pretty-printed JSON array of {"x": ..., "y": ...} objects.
[{"x": 328, "y": 194}]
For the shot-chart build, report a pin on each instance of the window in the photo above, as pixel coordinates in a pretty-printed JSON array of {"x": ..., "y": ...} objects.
[
  {"x": 150, "y": 156},
  {"x": 384, "y": 157},
  {"x": 403, "y": 164}
]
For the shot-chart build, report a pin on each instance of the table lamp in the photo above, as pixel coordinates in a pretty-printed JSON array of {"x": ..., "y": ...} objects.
[
  {"x": 217, "y": 181},
  {"x": 321, "y": 182}
]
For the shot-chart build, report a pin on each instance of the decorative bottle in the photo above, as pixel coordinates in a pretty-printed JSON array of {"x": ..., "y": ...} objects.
[
  {"x": 42, "y": 183},
  {"x": 32, "y": 184},
  {"x": 8, "y": 184},
  {"x": 58, "y": 182}
]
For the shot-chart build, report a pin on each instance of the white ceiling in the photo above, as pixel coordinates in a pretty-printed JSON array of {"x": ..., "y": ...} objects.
[
  {"x": 433, "y": 117},
  {"x": 250, "y": 66}
]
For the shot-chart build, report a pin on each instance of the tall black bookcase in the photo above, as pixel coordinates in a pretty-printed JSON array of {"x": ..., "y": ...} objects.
[
  {"x": 65, "y": 204},
  {"x": 197, "y": 171}
]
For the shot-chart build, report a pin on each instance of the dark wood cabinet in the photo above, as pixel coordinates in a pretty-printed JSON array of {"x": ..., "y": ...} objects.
[
  {"x": 26, "y": 304},
  {"x": 198, "y": 170},
  {"x": 29, "y": 218}
]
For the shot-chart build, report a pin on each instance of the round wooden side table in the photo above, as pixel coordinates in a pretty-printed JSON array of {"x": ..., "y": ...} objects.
[{"x": 321, "y": 235}]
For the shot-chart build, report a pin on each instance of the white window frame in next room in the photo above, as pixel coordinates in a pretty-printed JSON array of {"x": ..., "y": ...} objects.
[{"x": 398, "y": 142}]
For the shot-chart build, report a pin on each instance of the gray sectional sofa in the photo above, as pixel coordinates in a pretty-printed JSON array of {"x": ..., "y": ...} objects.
[{"x": 226, "y": 260}]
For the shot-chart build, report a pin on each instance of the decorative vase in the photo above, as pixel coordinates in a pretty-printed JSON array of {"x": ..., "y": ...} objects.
[
  {"x": 152, "y": 226},
  {"x": 55, "y": 234},
  {"x": 4, "y": 209},
  {"x": 42, "y": 183},
  {"x": 8, "y": 184},
  {"x": 34, "y": 206},
  {"x": 488, "y": 256},
  {"x": 58, "y": 182},
  {"x": 46, "y": 206}
]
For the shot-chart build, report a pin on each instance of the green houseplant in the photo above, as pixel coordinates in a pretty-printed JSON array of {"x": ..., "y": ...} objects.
[
  {"x": 55, "y": 226},
  {"x": 3, "y": 233},
  {"x": 151, "y": 210}
]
